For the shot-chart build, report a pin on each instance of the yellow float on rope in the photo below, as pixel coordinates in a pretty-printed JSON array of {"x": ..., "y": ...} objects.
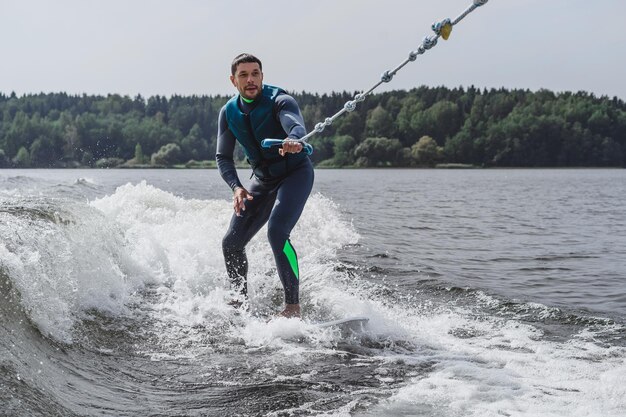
[{"x": 446, "y": 29}]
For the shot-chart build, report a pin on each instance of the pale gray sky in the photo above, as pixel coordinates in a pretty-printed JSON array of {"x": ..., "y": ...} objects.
[{"x": 186, "y": 46}]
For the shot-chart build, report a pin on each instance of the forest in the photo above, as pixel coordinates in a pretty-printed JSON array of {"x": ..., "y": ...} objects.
[{"x": 423, "y": 127}]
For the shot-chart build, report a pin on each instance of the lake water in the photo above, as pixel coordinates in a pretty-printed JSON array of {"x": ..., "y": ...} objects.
[{"x": 489, "y": 293}]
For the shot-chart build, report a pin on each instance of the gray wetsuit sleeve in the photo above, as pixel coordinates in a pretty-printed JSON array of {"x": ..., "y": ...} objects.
[
  {"x": 225, "y": 150},
  {"x": 289, "y": 116}
]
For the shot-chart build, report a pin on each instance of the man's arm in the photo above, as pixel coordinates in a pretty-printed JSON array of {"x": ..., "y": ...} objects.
[
  {"x": 226, "y": 165},
  {"x": 292, "y": 122},
  {"x": 225, "y": 150},
  {"x": 289, "y": 116}
]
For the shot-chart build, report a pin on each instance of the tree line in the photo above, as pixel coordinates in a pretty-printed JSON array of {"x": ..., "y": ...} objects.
[{"x": 424, "y": 126}]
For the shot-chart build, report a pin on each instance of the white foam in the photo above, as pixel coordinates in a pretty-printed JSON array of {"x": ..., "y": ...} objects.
[
  {"x": 141, "y": 235},
  {"x": 84, "y": 181},
  {"x": 177, "y": 242},
  {"x": 508, "y": 369},
  {"x": 64, "y": 258}
]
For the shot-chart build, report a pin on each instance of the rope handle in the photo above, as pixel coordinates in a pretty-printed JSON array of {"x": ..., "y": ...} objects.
[{"x": 277, "y": 143}]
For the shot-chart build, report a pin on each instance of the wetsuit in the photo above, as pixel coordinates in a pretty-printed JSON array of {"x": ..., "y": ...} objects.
[{"x": 280, "y": 186}]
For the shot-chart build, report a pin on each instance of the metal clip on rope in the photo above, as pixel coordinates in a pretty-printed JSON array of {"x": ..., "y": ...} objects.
[{"x": 442, "y": 29}]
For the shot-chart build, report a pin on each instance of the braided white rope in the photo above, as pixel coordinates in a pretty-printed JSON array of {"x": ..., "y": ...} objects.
[{"x": 428, "y": 43}]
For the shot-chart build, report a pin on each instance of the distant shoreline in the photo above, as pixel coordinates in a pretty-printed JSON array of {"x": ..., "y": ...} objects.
[
  {"x": 438, "y": 167},
  {"x": 422, "y": 127}
]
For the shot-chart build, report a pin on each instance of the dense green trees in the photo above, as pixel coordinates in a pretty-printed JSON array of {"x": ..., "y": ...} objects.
[{"x": 421, "y": 127}]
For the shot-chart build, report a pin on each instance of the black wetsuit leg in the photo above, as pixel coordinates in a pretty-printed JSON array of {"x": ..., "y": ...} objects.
[
  {"x": 243, "y": 228},
  {"x": 292, "y": 195},
  {"x": 281, "y": 203}
]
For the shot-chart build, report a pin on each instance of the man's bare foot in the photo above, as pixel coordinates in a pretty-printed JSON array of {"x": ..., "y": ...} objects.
[{"x": 290, "y": 311}]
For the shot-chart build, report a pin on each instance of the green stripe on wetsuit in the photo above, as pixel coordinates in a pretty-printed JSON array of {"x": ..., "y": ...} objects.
[{"x": 292, "y": 258}]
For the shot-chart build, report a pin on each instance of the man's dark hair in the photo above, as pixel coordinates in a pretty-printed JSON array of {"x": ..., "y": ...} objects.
[{"x": 243, "y": 58}]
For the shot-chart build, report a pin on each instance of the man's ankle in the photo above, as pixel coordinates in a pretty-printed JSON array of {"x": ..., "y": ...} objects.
[{"x": 291, "y": 311}]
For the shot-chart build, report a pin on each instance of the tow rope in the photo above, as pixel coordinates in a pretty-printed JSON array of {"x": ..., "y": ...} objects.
[{"x": 442, "y": 29}]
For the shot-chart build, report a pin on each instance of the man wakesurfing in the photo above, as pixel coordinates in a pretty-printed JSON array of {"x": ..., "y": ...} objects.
[{"x": 282, "y": 177}]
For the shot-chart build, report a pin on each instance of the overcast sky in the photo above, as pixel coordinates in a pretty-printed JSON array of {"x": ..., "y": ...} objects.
[{"x": 186, "y": 46}]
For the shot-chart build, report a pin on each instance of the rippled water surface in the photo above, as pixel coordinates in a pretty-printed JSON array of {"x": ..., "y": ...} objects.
[
  {"x": 552, "y": 236},
  {"x": 489, "y": 293}
]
